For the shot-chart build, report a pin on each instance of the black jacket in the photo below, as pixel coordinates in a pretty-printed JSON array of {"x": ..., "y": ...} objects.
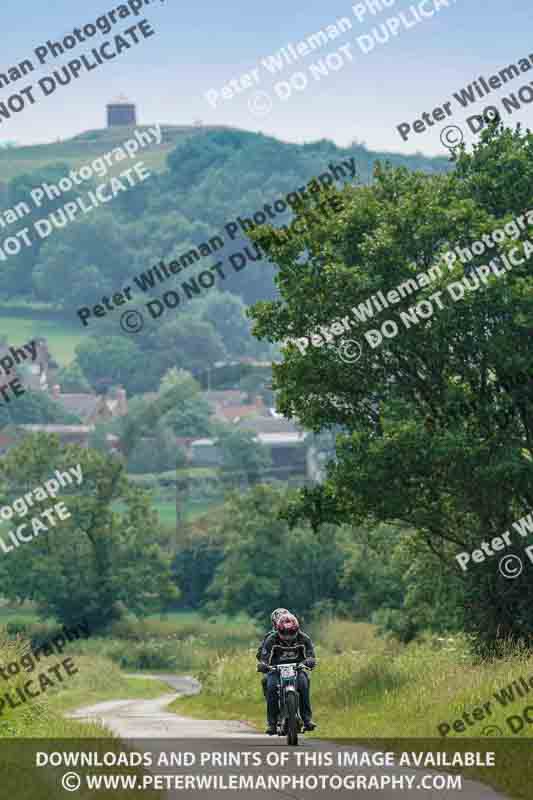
[
  {"x": 258, "y": 654},
  {"x": 274, "y": 651}
]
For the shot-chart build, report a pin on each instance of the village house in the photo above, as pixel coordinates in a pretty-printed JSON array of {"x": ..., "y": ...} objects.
[{"x": 91, "y": 408}]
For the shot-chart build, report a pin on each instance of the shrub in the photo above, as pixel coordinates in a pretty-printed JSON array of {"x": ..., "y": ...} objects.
[
  {"x": 145, "y": 655},
  {"x": 16, "y": 627}
]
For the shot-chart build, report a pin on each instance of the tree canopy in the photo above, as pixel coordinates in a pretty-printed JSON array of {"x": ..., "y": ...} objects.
[{"x": 438, "y": 419}]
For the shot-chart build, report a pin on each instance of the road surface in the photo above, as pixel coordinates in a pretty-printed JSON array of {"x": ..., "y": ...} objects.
[{"x": 156, "y": 729}]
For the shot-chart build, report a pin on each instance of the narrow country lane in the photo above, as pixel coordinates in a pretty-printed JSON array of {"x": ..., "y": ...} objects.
[{"x": 154, "y": 728}]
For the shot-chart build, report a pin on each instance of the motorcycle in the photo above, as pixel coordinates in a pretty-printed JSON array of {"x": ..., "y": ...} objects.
[{"x": 290, "y": 722}]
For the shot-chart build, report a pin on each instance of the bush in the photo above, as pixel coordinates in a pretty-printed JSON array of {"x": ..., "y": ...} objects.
[
  {"x": 145, "y": 655},
  {"x": 145, "y": 481},
  {"x": 395, "y": 622},
  {"x": 16, "y": 627},
  {"x": 344, "y": 636},
  {"x": 13, "y": 719}
]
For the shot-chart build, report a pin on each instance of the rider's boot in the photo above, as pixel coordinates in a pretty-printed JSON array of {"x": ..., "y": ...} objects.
[
  {"x": 271, "y": 728},
  {"x": 309, "y": 725}
]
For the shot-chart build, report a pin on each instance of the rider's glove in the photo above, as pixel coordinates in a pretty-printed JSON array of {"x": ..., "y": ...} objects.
[
  {"x": 310, "y": 663},
  {"x": 262, "y": 667}
]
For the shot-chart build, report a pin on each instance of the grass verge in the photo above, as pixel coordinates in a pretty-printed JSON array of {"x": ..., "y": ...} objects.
[
  {"x": 380, "y": 690},
  {"x": 97, "y": 679}
]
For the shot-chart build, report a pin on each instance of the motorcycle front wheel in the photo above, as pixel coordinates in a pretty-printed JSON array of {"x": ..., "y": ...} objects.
[{"x": 292, "y": 719}]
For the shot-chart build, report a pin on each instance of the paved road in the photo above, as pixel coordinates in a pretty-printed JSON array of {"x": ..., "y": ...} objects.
[
  {"x": 148, "y": 720},
  {"x": 136, "y": 719}
]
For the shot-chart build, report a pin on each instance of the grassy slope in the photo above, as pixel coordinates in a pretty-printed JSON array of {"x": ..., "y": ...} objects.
[
  {"x": 97, "y": 680},
  {"x": 375, "y": 690},
  {"x": 178, "y": 642},
  {"x": 85, "y": 148}
]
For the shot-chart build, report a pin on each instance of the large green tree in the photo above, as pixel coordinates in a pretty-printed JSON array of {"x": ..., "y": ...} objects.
[
  {"x": 438, "y": 419},
  {"x": 97, "y": 563},
  {"x": 100, "y": 562},
  {"x": 36, "y": 408},
  {"x": 264, "y": 567},
  {"x": 107, "y": 360},
  {"x": 244, "y": 459}
]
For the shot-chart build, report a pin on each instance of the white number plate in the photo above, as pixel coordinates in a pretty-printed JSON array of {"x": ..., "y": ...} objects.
[{"x": 288, "y": 671}]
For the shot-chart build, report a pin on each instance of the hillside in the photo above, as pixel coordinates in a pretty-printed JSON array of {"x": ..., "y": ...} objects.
[
  {"x": 199, "y": 179},
  {"x": 82, "y": 148}
]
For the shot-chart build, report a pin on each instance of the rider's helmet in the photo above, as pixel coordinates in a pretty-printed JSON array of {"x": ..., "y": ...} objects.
[
  {"x": 288, "y": 628},
  {"x": 276, "y": 615}
]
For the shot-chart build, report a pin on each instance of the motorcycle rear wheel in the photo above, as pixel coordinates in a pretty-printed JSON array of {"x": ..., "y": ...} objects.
[{"x": 292, "y": 719}]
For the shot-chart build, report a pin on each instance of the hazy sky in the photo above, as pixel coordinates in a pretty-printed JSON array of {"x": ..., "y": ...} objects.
[{"x": 202, "y": 46}]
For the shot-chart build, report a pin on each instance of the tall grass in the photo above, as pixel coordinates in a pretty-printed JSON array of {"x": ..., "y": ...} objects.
[
  {"x": 343, "y": 636},
  {"x": 364, "y": 687},
  {"x": 182, "y": 643},
  {"x": 43, "y": 718},
  {"x": 96, "y": 679}
]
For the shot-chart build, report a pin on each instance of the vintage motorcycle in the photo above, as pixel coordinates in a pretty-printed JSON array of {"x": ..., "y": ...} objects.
[{"x": 290, "y": 722}]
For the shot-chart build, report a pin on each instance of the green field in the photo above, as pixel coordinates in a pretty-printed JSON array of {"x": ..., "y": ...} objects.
[
  {"x": 13, "y": 614},
  {"x": 62, "y": 337},
  {"x": 167, "y": 510}
]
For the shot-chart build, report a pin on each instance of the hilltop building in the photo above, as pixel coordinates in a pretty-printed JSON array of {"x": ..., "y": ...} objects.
[{"x": 121, "y": 112}]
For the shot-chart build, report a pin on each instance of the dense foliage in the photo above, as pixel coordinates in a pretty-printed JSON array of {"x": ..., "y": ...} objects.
[
  {"x": 438, "y": 420},
  {"x": 96, "y": 564},
  {"x": 211, "y": 178},
  {"x": 35, "y": 408}
]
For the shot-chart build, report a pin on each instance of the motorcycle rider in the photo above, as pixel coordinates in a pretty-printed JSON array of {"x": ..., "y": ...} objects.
[
  {"x": 276, "y": 614},
  {"x": 287, "y": 644}
]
